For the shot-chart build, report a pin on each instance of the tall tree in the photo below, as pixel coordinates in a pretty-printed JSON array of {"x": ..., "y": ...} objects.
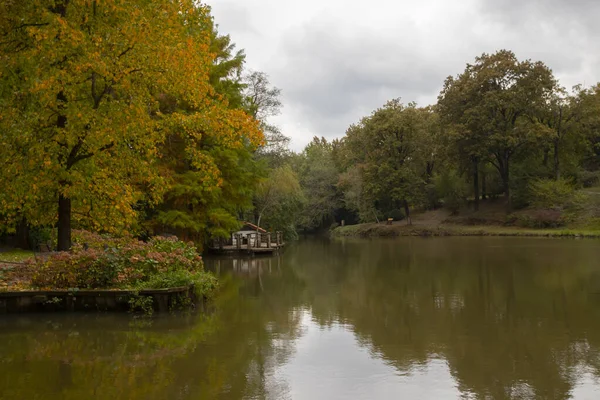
[
  {"x": 319, "y": 178},
  {"x": 278, "y": 200},
  {"x": 390, "y": 148},
  {"x": 489, "y": 104},
  {"x": 262, "y": 101},
  {"x": 226, "y": 73},
  {"x": 470, "y": 142},
  {"x": 211, "y": 167},
  {"x": 589, "y": 123},
  {"x": 91, "y": 72},
  {"x": 560, "y": 114}
]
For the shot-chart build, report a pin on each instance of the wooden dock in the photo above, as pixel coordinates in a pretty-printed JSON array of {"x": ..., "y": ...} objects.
[{"x": 251, "y": 243}]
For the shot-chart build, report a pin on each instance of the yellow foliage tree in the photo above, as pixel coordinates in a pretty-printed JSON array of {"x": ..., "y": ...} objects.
[{"x": 80, "y": 122}]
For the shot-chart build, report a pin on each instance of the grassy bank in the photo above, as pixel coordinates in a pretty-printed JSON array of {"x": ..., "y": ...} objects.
[
  {"x": 15, "y": 255},
  {"x": 490, "y": 220},
  {"x": 398, "y": 229}
]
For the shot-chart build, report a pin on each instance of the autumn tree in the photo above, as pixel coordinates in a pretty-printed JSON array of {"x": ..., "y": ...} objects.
[
  {"x": 210, "y": 162},
  {"x": 80, "y": 118}
]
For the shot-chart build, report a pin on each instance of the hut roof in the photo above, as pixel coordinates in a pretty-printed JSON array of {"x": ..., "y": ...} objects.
[{"x": 253, "y": 227}]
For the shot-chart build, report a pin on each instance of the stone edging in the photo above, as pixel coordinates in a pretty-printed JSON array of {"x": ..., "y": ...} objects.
[{"x": 89, "y": 300}]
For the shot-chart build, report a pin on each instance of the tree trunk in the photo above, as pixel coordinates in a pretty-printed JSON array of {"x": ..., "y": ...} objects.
[
  {"x": 64, "y": 204},
  {"x": 504, "y": 171},
  {"x": 64, "y": 223},
  {"x": 476, "y": 183},
  {"x": 506, "y": 186},
  {"x": 483, "y": 186},
  {"x": 407, "y": 212},
  {"x": 556, "y": 146},
  {"x": 375, "y": 214},
  {"x": 429, "y": 170},
  {"x": 556, "y": 161},
  {"x": 23, "y": 235}
]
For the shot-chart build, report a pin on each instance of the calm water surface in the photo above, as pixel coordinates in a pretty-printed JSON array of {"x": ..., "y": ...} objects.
[{"x": 412, "y": 318}]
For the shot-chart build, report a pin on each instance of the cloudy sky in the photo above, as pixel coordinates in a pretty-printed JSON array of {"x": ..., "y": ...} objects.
[{"x": 337, "y": 60}]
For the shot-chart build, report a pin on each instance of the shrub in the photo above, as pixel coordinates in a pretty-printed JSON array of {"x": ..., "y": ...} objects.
[
  {"x": 432, "y": 197},
  {"x": 39, "y": 235},
  {"x": 86, "y": 269},
  {"x": 589, "y": 178},
  {"x": 540, "y": 219},
  {"x": 123, "y": 263},
  {"x": 204, "y": 283},
  {"x": 451, "y": 189},
  {"x": 396, "y": 214},
  {"x": 555, "y": 194},
  {"x": 93, "y": 240}
]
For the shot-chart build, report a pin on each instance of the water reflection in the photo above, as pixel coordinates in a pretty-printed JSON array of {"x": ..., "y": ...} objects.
[{"x": 411, "y": 318}]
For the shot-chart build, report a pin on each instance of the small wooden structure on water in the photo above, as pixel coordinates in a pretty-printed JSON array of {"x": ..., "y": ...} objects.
[{"x": 251, "y": 239}]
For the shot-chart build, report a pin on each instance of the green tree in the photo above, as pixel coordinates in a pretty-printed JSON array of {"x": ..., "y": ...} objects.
[
  {"x": 489, "y": 104},
  {"x": 226, "y": 72},
  {"x": 278, "y": 200},
  {"x": 589, "y": 124},
  {"x": 355, "y": 198},
  {"x": 391, "y": 147},
  {"x": 318, "y": 178},
  {"x": 213, "y": 172},
  {"x": 561, "y": 115}
]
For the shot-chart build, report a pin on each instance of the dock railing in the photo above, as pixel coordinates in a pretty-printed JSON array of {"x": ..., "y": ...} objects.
[{"x": 251, "y": 241}]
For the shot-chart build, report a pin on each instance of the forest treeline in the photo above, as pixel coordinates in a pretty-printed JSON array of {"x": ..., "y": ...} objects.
[
  {"x": 139, "y": 117},
  {"x": 503, "y": 129}
]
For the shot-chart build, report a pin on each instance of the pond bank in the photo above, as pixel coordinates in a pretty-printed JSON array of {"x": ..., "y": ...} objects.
[
  {"x": 161, "y": 300},
  {"x": 402, "y": 229},
  {"x": 102, "y": 273}
]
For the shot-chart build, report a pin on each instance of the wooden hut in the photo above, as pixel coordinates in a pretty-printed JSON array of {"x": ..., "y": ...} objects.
[
  {"x": 246, "y": 232},
  {"x": 251, "y": 239}
]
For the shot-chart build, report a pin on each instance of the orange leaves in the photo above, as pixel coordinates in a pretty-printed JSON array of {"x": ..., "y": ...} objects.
[{"x": 82, "y": 110}]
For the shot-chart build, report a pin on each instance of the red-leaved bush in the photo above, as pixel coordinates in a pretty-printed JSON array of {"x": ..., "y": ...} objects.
[{"x": 98, "y": 262}]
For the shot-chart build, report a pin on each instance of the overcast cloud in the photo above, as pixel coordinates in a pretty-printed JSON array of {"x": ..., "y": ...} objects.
[{"x": 337, "y": 60}]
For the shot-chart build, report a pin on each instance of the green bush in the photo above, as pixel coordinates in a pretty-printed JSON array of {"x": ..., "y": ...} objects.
[
  {"x": 589, "y": 178},
  {"x": 40, "y": 235},
  {"x": 109, "y": 263},
  {"x": 555, "y": 194},
  {"x": 396, "y": 214},
  {"x": 539, "y": 219},
  {"x": 86, "y": 239},
  {"x": 451, "y": 189},
  {"x": 204, "y": 283},
  {"x": 431, "y": 197}
]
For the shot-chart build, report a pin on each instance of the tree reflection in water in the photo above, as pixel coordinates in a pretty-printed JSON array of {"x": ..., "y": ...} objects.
[{"x": 511, "y": 318}]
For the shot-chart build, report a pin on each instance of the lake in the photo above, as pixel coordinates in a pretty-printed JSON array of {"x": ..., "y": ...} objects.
[{"x": 410, "y": 318}]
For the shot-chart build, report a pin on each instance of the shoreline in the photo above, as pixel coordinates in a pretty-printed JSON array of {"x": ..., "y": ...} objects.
[
  {"x": 397, "y": 230},
  {"x": 97, "y": 300}
]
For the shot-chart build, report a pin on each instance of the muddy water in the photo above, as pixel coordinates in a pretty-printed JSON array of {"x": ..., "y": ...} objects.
[{"x": 410, "y": 318}]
